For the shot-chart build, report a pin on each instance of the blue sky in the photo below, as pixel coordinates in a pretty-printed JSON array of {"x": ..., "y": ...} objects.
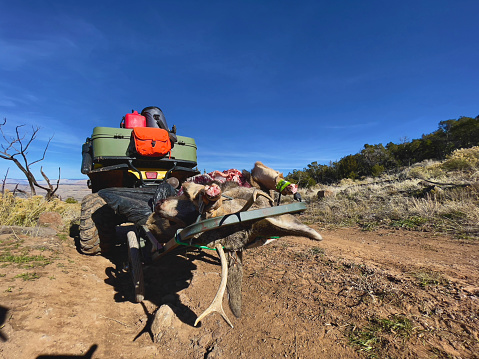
[{"x": 283, "y": 82}]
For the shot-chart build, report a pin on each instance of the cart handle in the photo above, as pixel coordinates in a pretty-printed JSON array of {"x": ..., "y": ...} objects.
[{"x": 239, "y": 217}]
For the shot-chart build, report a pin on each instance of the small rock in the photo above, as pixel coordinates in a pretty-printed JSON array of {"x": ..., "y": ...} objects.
[
  {"x": 164, "y": 322},
  {"x": 324, "y": 193},
  {"x": 213, "y": 353},
  {"x": 29, "y": 231},
  {"x": 205, "y": 340},
  {"x": 51, "y": 220}
]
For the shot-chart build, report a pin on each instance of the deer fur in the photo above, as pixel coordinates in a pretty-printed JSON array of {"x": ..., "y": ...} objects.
[{"x": 267, "y": 179}]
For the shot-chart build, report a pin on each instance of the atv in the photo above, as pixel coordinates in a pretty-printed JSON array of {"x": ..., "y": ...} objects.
[{"x": 139, "y": 155}]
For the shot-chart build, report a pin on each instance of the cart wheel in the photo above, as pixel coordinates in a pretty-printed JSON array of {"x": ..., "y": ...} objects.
[{"x": 136, "y": 269}]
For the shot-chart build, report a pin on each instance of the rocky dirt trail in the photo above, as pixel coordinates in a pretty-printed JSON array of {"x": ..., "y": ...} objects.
[{"x": 382, "y": 294}]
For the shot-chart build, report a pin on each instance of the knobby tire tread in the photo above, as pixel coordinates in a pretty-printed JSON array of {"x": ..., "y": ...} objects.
[{"x": 97, "y": 225}]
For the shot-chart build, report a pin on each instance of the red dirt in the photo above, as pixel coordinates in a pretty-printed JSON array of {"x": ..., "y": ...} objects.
[{"x": 301, "y": 299}]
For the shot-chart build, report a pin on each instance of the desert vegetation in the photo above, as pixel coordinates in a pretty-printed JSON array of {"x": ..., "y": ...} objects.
[
  {"x": 25, "y": 212},
  {"x": 439, "y": 196}
]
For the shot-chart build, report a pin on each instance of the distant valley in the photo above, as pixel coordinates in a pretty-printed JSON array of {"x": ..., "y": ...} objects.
[{"x": 74, "y": 188}]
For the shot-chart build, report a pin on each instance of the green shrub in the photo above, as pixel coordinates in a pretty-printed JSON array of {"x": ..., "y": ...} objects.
[
  {"x": 409, "y": 223},
  {"x": 376, "y": 170},
  {"x": 428, "y": 278},
  {"x": 379, "y": 333}
]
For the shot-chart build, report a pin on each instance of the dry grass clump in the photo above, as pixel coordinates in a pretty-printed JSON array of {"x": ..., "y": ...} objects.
[
  {"x": 465, "y": 159},
  {"x": 432, "y": 196},
  {"x": 427, "y": 170},
  {"x": 15, "y": 211},
  {"x": 462, "y": 164}
]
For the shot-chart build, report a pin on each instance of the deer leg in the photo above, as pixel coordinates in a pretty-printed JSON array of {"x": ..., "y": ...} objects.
[{"x": 217, "y": 304}]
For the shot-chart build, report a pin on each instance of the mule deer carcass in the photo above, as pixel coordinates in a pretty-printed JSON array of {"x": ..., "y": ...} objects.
[{"x": 177, "y": 212}]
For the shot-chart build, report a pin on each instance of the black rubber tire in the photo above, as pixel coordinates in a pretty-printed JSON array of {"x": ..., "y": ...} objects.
[
  {"x": 97, "y": 225},
  {"x": 135, "y": 265}
]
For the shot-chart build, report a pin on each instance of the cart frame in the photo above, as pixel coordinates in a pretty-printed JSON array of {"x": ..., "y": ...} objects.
[{"x": 144, "y": 248}]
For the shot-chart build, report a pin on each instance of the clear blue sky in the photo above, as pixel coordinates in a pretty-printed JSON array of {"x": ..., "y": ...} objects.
[{"x": 284, "y": 82}]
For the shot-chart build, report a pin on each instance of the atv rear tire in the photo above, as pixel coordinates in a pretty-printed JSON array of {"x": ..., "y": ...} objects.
[{"x": 97, "y": 225}]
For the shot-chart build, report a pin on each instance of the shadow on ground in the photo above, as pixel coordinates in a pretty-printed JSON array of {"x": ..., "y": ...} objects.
[
  {"x": 87, "y": 355},
  {"x": 3, "y": 316},
  {"x": 164, "y": 279}
]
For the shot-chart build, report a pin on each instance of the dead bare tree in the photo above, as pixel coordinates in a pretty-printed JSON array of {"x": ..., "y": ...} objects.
[
  {"x": 5, "y": 181},
  {"x": 15, "y": 149},
  {"x": 50, "y": 191}
]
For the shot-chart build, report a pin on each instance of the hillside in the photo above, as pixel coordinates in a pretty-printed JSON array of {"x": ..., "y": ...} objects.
[
  {"x": 376, "y": 160},
  {"x": 431, "y": 196}
]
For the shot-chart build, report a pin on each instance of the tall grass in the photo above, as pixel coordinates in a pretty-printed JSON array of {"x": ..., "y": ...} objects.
[
  {"x": 15, "y": 211},
  {"x": 405, "y": 200}
]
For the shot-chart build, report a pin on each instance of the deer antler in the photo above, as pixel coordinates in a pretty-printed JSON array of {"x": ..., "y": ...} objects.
[
  {"x": 253, "y": 198},
  {"x": 217, "y": 304}
]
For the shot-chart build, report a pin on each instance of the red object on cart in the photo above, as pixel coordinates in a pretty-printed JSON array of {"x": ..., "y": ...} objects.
[{"x": 133, "y": 120}]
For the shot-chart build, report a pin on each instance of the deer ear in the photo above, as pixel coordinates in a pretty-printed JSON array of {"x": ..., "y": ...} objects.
[{"x": 284, "y": 225}]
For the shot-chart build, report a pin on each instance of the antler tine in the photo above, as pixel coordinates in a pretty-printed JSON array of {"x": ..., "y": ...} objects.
[
  {"x": 253, "y": 198},
  {"x": 250, "y": 201},
  {"x": 217, "y": 304}
]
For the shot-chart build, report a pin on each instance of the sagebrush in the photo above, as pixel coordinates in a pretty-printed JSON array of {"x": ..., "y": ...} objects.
[
  {"x": 16, "y": 211},
  {"x": 431, "y": 196}
]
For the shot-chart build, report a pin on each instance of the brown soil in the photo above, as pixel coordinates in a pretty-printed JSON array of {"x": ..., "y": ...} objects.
[{"x": 396, "y": 294}]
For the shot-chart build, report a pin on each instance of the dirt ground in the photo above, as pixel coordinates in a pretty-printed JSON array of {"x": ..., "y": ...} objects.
[{"x": 384, "y": 294}]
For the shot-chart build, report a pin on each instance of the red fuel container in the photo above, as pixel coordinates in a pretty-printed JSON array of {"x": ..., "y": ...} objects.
[{"x": 134, "y": 120}]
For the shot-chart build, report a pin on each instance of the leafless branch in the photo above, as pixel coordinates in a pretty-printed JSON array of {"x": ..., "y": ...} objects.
[
  {"x": 44, "y": 152},
  {"x": 32, "y": 138},
  {"x": 50, "y": 190},
  {"x": 4, "y": 181},
  {"x": 16, "y": 189},
  {"x": 16, "y": 146}
]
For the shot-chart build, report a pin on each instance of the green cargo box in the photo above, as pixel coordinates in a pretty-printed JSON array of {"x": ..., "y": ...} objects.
[{"x": 114, "y": 143}]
